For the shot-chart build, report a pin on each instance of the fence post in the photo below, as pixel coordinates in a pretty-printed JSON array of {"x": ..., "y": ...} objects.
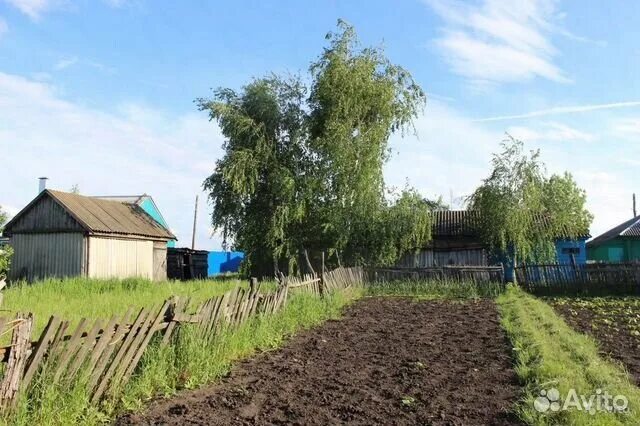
[
  {"x": 253, "y": 284},
  {"x": 20, "y": 346},
  {"x": 322, "y": 277}
]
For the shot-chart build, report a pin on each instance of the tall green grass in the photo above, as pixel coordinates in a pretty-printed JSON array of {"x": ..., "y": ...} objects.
[
  {"x": 192, "y": 359},
  {"x": 76, "y": 298},
  {"x": 550, "y": 354},
  {"x": 435, "y": 289}
]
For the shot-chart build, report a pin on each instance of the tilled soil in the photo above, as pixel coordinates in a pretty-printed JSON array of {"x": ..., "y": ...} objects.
[
  {"x": 616, "y": 339},
  {"x": 387, "y": 361}
]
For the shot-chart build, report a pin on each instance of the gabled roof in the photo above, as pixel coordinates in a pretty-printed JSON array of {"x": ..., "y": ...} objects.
[
  {"x": 140, "y": 200},
  {"x": 630, "y": 228},
  {"x": 465, "y": 223},
  {"x": 454, "y": 223},
  {"x": 98, "y": 216}
]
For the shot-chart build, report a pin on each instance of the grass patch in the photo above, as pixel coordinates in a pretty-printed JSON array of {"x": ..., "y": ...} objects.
[
  {"x": 191, "y": 360},
  {"x": 550, "y": 354},
  {"x": 435, "y": 289},
  {"x": 76, "y": 298}
]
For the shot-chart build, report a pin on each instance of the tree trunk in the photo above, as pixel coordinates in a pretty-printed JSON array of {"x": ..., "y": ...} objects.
[{"x": 306, "y": 259}]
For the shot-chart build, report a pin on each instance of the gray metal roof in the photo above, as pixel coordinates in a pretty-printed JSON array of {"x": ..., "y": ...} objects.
[
  {"x": 99, "y": 216},
  {"x": 630, "y": 228}
]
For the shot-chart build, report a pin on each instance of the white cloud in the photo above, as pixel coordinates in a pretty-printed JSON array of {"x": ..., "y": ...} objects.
[
  {"x": 140, "y": 149},
  {"x": 552, "y": 132},
  {"x": 627, "y": 127},
  {"x": 563, "y": 110},
  {"x": 499, "y": 41},
  {"x": 33, "y": 8},
  {"x": 65, "y": 63}
]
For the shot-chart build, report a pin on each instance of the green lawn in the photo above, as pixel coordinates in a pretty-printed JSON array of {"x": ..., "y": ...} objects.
[{"x": 76, "y": 298}]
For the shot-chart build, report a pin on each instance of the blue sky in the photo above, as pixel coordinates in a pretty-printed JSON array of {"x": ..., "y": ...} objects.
[{"x": 100, "y": 93}]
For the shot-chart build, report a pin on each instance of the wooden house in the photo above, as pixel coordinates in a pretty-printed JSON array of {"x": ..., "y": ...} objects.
[
  {"x": 619, "y": 244},
  {"x": 59, "y": 234},
  {"x": 456, "y": 241}
]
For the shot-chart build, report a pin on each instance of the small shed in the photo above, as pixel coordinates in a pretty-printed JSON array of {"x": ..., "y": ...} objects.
[
  {"x": 60, "y": 234},
  {"x": 619, "y": 244},
  {"x": 187, "y": 264}
]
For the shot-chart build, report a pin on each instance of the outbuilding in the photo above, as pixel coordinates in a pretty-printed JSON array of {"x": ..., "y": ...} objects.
[{"x": 61, "y": 234}]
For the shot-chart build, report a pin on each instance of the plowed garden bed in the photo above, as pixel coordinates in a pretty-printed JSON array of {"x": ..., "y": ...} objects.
[
  {"x": 387, "y": 361},
  {"x": 613, "y": 322}
]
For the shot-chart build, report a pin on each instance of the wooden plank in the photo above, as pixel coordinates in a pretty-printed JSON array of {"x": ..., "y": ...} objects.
[
  {"x": 86, "y": 345},
  {"x": 102, "y": 352},
  {"x": 40, "y": 349},
  {"x": 70, "y": 348},
  {"x": 130, "y": 335},
  {"x": 14, "y": 370},
  {"x": 143, "y": 346},
  {"x": 103, "y": 340},
  {"x": 142, "y": 332}
]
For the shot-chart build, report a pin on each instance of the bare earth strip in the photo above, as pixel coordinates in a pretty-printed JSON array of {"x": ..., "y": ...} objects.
[{"x": 387, "y": 361}]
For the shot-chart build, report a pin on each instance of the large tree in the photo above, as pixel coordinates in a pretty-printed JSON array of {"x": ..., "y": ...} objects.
[
  {"x": 302, "y": 169},
  {"x": 522, "y": 210}
]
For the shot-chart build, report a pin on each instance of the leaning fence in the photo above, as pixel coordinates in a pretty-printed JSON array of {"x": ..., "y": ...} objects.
[
  {"x": 472, "y": 274},
  {"x": 583, "y": 279},
  {"x": 108, "y": 351}
]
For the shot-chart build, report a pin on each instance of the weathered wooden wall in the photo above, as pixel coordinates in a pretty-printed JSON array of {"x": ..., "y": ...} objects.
[
  {"x": 46, "y": 216},
  {"x": 427, "y": 258},
  {"x": 38, "y": 256},
  {"x": 120, "y": 258}
]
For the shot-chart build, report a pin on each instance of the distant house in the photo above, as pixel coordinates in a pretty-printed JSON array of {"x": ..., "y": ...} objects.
[
  {"x": 146, "y": 203},
  {"x": 619, "y": 244},
  {"x": 59, "y": 234},
  {"x": 456, "y": 241}
]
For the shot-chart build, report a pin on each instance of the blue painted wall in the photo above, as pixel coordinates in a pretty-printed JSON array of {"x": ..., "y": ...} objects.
[
  {"x": 148, "y": 206},
  {"x": 224, "y": 261},
  {"x": 564, "y": 249}
]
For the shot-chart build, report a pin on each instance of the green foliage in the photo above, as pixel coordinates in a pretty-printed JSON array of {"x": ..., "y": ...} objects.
[
  {"x": 5, "y": 252},
  {"x": 522, "y": 211},
  {"x": 550, "y": 354},
  {"x": 302, "y": 168}
]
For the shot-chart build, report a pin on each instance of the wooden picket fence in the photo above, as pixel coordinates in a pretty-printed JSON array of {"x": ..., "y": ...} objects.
[
  {"x": 475, "y": 274},
  {"x": 107, "y": 352},
  {"x": 580, "y": 279}
]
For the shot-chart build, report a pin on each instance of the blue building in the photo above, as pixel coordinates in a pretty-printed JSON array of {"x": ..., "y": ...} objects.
[
  {"x": 146, "y": 203},
  {"x": 221, "y": 262}
]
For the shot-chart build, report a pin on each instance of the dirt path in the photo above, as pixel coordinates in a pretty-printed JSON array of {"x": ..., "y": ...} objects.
[{"x": 388, "y": 361}]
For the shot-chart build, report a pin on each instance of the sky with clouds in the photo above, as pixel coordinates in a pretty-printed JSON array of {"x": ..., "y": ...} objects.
[{"x": 99, "y": 93}]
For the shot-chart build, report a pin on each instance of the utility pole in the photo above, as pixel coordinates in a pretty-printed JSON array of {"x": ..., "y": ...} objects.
[
  {"x": 195, "y": 218},
  {"x": 634, "y": 205}
]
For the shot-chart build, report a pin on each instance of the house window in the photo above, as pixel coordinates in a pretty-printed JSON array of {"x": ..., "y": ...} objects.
[{"x": 571, "y": 250}]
